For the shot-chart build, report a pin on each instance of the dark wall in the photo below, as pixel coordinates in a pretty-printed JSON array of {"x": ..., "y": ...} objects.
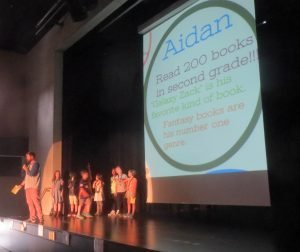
[
  {"x": 279, "y": 61},
  {"x": 12, "y": 205},
  {"x": 12, "y": 96},
  {"x": 13, "y": 122},
  {"x": 103, "y": 109},
  {"x": 102, "y": 112}
]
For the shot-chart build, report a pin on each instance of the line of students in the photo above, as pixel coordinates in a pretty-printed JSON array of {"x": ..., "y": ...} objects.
[{"x": 80, "y": 201}]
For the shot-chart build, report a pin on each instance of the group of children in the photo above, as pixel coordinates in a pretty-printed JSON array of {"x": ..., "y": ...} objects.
[
  {"x": 82, "y": 195},
  {"x": 123, "y": 188}
]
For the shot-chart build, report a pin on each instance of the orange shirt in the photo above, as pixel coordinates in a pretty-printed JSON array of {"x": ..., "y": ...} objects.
[{"x": 131, "y": 185}]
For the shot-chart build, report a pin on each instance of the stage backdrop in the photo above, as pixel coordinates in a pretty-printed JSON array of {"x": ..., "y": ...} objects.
[{"x": 204, "y": 132}]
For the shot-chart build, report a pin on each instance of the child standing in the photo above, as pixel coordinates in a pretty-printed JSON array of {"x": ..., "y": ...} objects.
[
  {"x": 85, "y": 195},
  {"x": 99, "y": 194},
  {"x": 57, "y": 192},
  {"x": 120, "y": 189},
  {"x": 113, "y": 192},
  {"x": 131, "y": 193},
  {"x": 73, "y": 201}
]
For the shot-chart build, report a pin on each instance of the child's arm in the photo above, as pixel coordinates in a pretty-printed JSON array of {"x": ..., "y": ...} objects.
[
  {"x": 126, "y": 181},
  {"x": 80, "y": 189},
  {"x": 102, "y": 184}
]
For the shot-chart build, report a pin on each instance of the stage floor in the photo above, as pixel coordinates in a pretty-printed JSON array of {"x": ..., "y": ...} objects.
[{"x": 164, "y": 235}]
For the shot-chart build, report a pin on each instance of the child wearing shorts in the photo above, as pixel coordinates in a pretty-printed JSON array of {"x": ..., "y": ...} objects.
[
  {"x": 85, "y": 196},
  {"x": 73, "y": 201},
  {"x": 131, "y": 193}
]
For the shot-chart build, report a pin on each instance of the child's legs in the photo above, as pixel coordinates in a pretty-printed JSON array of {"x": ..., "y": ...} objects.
[
  {"x": 87, "y": 205},
  {"x": 132, "y": 204},
  {"x": 114, "y": 203},
  {"x": 72, "y": 206},
  {"x": 55, "y": 206},
  {"x": 100, "y": 207},
  {"x": 80, "y": 206},
  {"x": 97, "y": 206},
  {"x": 128, "y": 205},
  {"x": 119, "y": 200},
  {"x": 124, "y": 203},
  {"x": 59, "y": 207},
  {"x": 75, "y": 208},
  {"x": 73, "y": 203}
]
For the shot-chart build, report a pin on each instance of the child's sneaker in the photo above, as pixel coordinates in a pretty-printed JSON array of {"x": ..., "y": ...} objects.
[
  {"x": 80, "y": 217},
  {"x": 73, "y": 214},
  {"x": 87, "y": 215},
  {"x": 69, "y": 215},
  {"x": 112, "y": 213}
]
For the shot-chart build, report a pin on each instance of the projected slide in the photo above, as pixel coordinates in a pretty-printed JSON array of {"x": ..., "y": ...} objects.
[{"x": 202, "y": 100}]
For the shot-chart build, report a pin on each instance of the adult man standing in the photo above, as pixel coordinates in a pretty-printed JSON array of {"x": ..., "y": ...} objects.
[{"x": 31, "y": 185}]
